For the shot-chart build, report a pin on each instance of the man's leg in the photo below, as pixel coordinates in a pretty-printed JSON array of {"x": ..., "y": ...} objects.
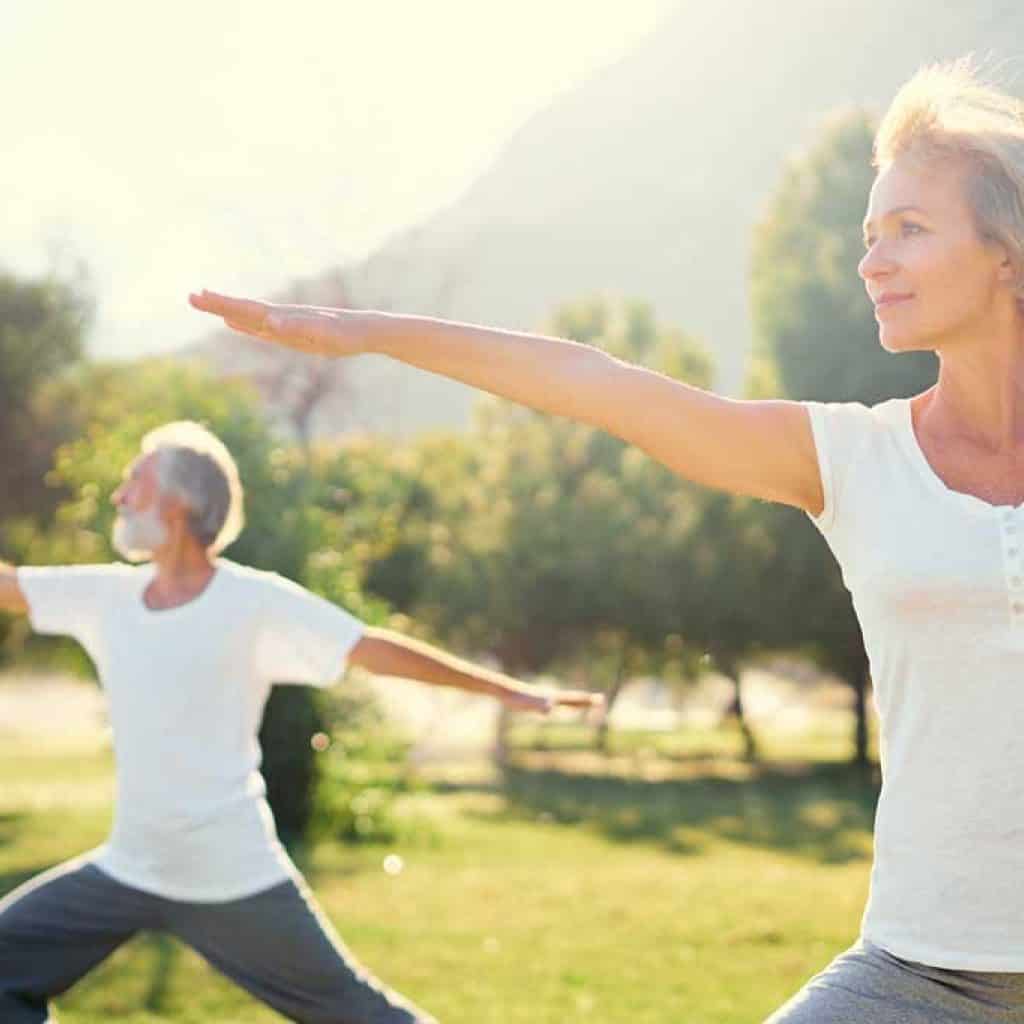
[
  {"x": 280, "y": 947},
  {"x": 57, "y": 927}
]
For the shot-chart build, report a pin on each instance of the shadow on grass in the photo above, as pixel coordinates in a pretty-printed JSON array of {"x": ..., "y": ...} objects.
[
  {"x": 9, "y": 826},
  {"x": 10, "y": 880},
  {"x": 139, "y": 976},
  {"x": 821, "y": 811},
  {"x": 165, "y": 953}
]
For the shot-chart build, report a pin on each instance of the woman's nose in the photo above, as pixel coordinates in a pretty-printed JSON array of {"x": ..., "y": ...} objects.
[{"x": 874, "y": 263}]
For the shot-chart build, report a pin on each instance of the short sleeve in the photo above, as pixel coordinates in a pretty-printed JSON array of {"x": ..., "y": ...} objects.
[
  {"x": 66, "y": 600},
  {"x": 303, "y": 638},
  {"x": 839, "y": 430}
]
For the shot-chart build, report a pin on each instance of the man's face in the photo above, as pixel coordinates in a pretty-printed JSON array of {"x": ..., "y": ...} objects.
[{"x": 140, "y": 528}]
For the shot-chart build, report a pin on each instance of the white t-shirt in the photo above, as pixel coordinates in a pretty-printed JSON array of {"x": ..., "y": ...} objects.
[
  {"x": 937, "y": 579},
  {"x": 186, "y": 688}
]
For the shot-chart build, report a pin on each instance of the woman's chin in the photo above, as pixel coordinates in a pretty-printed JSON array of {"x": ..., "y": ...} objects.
[{"x": 902, "y": 341}]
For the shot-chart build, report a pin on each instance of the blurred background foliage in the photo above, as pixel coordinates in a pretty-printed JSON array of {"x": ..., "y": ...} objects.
[{"x": 540, "y": 544}]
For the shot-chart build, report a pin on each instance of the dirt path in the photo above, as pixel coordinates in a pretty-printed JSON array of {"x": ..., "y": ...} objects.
[
  {"x": 63, "y": 709},
  {"x": 443, "y": 723},
  {"x": 56, "y": 707}
]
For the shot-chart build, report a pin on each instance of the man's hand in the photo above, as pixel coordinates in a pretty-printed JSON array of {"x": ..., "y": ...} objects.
[
  {"x": 315, "y": 330},
  {"x": 546, "y": 699},
  {"x": 11, "y": 597}
]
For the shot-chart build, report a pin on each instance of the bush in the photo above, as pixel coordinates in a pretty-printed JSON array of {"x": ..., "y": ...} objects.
[
  {"x": 363, "y": 770},
  {"x": 293, "y": 718}
]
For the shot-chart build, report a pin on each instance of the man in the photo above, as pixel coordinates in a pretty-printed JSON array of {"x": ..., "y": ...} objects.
[{"x": 187, "y": 647}]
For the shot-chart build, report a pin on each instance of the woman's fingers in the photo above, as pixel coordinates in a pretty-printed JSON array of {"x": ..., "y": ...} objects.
[
  {"x": 315, "y": 330},
  {"x": 246, "y": 312},
  {"x": 264, "y": 320},
  {"x": 246, "y": 329}
]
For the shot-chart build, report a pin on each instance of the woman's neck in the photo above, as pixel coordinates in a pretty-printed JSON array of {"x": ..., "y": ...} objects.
[{"x": 979, "y": 396}]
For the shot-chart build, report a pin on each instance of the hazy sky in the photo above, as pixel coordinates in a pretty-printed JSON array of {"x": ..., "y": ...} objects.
[{"x": 238, "y": 145}]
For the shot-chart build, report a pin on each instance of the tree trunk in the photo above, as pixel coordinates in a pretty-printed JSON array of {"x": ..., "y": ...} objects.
[
  {"x": 859, "y": 681},
  {"x": 736, "y": 708},
  {"x": 602, "y": 740},
  {"x": 501, "y": 745}
]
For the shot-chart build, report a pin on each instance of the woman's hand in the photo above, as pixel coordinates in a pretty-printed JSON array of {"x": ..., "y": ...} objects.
[{"x": 315, "y": 330}]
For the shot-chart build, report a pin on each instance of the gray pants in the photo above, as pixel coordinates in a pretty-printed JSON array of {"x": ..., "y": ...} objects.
[
  {"x": 867, "y": 985},
  {"x": 276, "y": 944}
]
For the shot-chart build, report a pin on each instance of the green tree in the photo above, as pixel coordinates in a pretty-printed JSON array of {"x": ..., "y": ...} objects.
[
  {"x": 812, "y": 320},
  {"x": 549, "y": 549},
  {"x": 724, "y": 591},
  {"x": 381, "y": 511},
  {"x": 815, "y": 334},
  {"x": 42, "y": 325}
]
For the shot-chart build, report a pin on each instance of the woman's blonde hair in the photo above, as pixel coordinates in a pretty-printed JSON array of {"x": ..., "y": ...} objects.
[{"x": 946, "y": 112}]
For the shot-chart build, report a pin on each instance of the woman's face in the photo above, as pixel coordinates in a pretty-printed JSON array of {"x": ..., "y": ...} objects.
[{"x": 932, "y": 279}]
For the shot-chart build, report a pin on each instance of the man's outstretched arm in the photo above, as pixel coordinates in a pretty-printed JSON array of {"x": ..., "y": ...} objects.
[
  {"x": 11, "y": 597},
  {"x": 386, "y": 653}
]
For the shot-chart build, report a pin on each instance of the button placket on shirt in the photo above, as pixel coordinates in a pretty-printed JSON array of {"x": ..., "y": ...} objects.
[{"x": 1014, "y": 571}]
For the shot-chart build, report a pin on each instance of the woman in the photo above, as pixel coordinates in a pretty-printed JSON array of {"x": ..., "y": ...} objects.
[{"x": 922, "y": 501}]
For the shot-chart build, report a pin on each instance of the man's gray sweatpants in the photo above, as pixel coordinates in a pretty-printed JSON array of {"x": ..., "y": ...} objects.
[{"x": 276, "y": 944}]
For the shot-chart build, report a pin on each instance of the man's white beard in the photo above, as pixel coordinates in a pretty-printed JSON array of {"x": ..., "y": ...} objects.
[{"x": 138, "y": 534}]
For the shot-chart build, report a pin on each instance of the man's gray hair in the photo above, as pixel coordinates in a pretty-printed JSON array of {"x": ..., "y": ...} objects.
[{"x": 195, "y": 466}]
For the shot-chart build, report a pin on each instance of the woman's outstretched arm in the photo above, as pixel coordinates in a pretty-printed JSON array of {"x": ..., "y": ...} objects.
[{"x": 764, "y": 449}]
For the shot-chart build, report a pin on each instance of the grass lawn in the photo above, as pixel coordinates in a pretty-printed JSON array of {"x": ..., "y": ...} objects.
[{"x": 653, "y": 891}]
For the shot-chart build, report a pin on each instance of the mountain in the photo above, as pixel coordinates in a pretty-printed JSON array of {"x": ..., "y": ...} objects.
[{"x": 646, "y": 180}]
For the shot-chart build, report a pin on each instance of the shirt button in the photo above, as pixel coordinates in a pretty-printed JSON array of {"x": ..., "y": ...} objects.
[
  {"x": 1015, "y": 581},
  {"x": 1018, "y": 607},
  {"x": 1011, "y": 552}
]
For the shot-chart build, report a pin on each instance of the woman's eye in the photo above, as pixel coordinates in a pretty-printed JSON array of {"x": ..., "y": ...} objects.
[{"x": 912, "y": 229}]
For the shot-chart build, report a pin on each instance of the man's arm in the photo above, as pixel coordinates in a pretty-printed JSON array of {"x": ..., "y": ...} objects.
[
  {"x": 386, "y": 653},
  {"x": 12, "y": 599}
]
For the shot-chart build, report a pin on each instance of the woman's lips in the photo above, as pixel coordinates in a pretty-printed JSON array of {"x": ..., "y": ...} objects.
[{"x": 884, "y": 303}]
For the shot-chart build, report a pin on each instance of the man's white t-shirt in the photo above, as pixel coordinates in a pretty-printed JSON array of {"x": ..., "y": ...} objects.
[
  {"x": 186, "y": 687},
  {"x": 937, "y": 579}
]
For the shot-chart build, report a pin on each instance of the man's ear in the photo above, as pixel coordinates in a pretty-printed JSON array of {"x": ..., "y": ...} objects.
[
  {"x": 1009, "y": 272},
  {"x": 174, "y": 511}
]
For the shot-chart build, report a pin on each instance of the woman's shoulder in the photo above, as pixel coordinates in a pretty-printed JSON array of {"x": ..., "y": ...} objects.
[
  {"x": 887, "y": 411},
  {"x": 852, "y": 423},
  {"x": 854, "y": 442}
]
